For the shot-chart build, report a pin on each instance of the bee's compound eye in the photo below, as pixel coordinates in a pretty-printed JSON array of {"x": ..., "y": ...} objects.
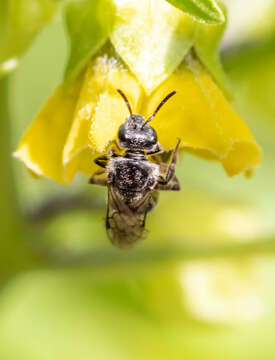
[
  {"x": 154, "y": 137},
  {"x": 151, "y": 137},
  {"x": 122, "y": 135}
]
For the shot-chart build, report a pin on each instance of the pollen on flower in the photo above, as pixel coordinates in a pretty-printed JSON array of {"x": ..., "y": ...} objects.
[
  {"x": 106, "y": 64},
  {"x": 96, "y": 134},
  {"x": 86, "y": 112}
]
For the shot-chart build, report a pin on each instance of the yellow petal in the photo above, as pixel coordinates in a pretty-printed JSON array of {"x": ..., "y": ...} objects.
[
  {"x": 41, "y": 147},
  {"x": 75, "y": 126},
  {"x": 76, "y": 146},
  {"x": 99, "y": 112},
  {"x": 111, "y": 110},
  {"x": 200, "y": 115}
]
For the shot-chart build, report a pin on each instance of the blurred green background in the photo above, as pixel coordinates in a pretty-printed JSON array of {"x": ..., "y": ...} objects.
[{"x": 200, "y": 286}]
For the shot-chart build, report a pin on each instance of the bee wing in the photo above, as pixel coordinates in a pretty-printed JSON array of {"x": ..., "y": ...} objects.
[{"x": 124, "y": 225}]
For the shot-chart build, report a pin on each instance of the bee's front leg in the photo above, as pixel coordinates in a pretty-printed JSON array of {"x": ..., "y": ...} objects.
[
  {"x": 169, "y": 181},
  {"x": 99, "y": 178},
  {"x": 114, "y": 150},
  {"x": 102, "y": 161},
  {"x": 172, "y": 185},
  {"x": 156, "y": 149},
  {"x": 112, "y": 153},
  {"x": 172, "y": 166},
  {"x": 153, "y": 201}
]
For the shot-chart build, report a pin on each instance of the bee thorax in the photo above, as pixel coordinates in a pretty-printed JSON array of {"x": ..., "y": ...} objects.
[{"x": 132, "y": 177}]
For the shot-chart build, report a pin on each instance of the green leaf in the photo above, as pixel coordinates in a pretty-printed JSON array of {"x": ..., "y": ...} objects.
[
  {"x": 206, "y": 45},
  {"x": 20, "y": 21},
  {"x": 152, "y": 40},
  {"x": 205, "y": 11},
  {"x": 88, "y": 24}
]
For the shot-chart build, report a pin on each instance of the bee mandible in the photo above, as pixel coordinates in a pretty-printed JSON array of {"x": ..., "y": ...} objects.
[{"x": 134, "y": 177}]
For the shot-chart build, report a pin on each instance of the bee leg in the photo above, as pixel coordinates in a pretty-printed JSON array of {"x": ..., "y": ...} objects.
[
  {"x": 117, "y": 146},
  {"x": 114, "y": 150},
  {"x": 102, "y": 161},
  {"x": 173, "y": 185},
  {"x": 112, "y": 153},
  {"x": 156, "y": 149},
  {"x": 162, "y": 157},
  {"x": 153, "y": 201},
  {"x": 171, "y": 168},
  {"x": 99, "y": 178}
]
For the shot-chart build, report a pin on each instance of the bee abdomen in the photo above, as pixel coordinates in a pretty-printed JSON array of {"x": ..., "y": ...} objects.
[{"x": 124, "y": 231}]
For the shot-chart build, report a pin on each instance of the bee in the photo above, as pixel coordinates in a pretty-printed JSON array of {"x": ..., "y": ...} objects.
[{"x": 134, "y": 178}]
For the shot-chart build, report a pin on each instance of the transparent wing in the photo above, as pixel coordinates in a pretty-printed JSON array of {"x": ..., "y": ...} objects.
[{"x": 125, "y": 225}]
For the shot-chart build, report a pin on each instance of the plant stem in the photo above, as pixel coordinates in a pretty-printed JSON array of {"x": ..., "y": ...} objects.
[
  {"x": 14, "y": 255},
  {"x": 171, "y": 253}
]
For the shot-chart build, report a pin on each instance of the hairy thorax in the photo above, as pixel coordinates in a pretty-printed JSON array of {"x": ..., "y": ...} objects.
[{"x": 132, "y": 178}]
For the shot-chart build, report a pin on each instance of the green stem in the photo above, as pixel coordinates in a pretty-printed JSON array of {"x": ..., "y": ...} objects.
[
  {"x": 176, "y": 253},
  {"x": 14, "y": 256}
]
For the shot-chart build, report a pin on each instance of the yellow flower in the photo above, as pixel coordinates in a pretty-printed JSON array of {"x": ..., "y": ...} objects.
[
  {"x": 154, "y": 41},
  {"x": 77, "y": 125}
]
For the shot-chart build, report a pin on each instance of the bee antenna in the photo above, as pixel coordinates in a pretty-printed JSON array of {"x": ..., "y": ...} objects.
[
  {"x": 126, "y": 100},
  {"x": 159, "y": 106}
]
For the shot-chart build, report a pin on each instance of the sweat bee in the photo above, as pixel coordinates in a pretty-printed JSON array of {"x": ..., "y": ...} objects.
[{"x": 132, "y": 178}]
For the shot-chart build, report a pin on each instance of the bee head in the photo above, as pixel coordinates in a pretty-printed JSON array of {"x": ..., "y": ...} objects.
[{"x": 135, "y": 133}]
